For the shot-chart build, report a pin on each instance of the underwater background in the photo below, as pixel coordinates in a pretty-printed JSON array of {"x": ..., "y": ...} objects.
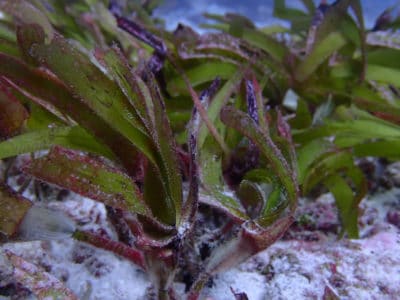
[{"x": 190, "y": 12}]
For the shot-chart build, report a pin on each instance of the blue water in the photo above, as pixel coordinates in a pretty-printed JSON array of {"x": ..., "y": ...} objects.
[{"x": 260, "y": 11}]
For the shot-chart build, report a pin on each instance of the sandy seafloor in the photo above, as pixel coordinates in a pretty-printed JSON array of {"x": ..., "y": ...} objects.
[{"x": 309, "y": 263}]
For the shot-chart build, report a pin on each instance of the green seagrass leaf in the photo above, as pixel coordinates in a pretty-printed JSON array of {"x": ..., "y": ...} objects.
[
  {"x": 299, "y": 19},
  {"x": 165, "y": 144},
  {"x": 307, "y": 153},
  {"x": 92, "y": 88},
  {"x": 48, "y": 92},
  {"x": 131, "y": 84},
  {"x": 218, "y": 101},
  {"x": 346, "y": 203},
  {"x": 256, "y": 38},
  {"x": 381, "y": 148},
  {"x": 8, "y": 47},
  {"x": 246, "y": 126},
  {"x": 200, "y": 74},
  {"x": 243, "y": 28},
  {"x": 384, "y": 56},
  {"x": 144, "y": 96},
  {"x": 325, "y": 165},
  {"x": 156, "y": 197},
  {"x": 383, "y": 74},
  {"x": 211, "y": 178},
  {"x": 252, "y": 198},
  {"x": 74, "y": 137},
  {"x": 274, "y": 205},
  {"x": 88, "y": 177},
  {"x": 319, "y": 54}
]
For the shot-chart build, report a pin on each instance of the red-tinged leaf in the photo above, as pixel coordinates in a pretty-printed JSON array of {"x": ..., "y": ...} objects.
[
  {"x": 260, "y": 238},
  {"x": 121, "y": 226},
  {"x": 226, "y": 48},
  {"x": 211, "y": 178},
  {"x": 130, "y": 83},
  {"x": 166, "y": 146},
  {"x": 12, "y": 211},
  {"x": 252, "y": 104},
  {"x": 50, "y": 93},
  {"x": 241, "y": 27},
  {"x": 93, "y": 88},
  {"x": 272, "y": 47},
  {"x": 149, "y": 232},
  {"x": 259, "y": 102},
  {"x": 372, "y": 101},
  {"x": 162, "y": 265},
  {"x": 204, "y": 100},
  {"x": 12, "y": 112},
  {"x": 118, "y": 248},
  {"x": 251, "y": 240},
  {"x": 156, "y": 196},
  {"x": 39, "y": 117},
  {"x": 42, "y": 284},
  {"x": 89, "y": 177},
  {"x": 189, "y": 207},
  {"x": 142, "y": 34},
  {"x": 393, "y": 118},
  {"x": 283, "y": 127},
  {"x": 218, "y": 101},
  {"x": 145, "y": 97},
  {"x": 287, "y": 141},
  {"x": 209, "y": 160},
  {"x": 246, "y": 126}
]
